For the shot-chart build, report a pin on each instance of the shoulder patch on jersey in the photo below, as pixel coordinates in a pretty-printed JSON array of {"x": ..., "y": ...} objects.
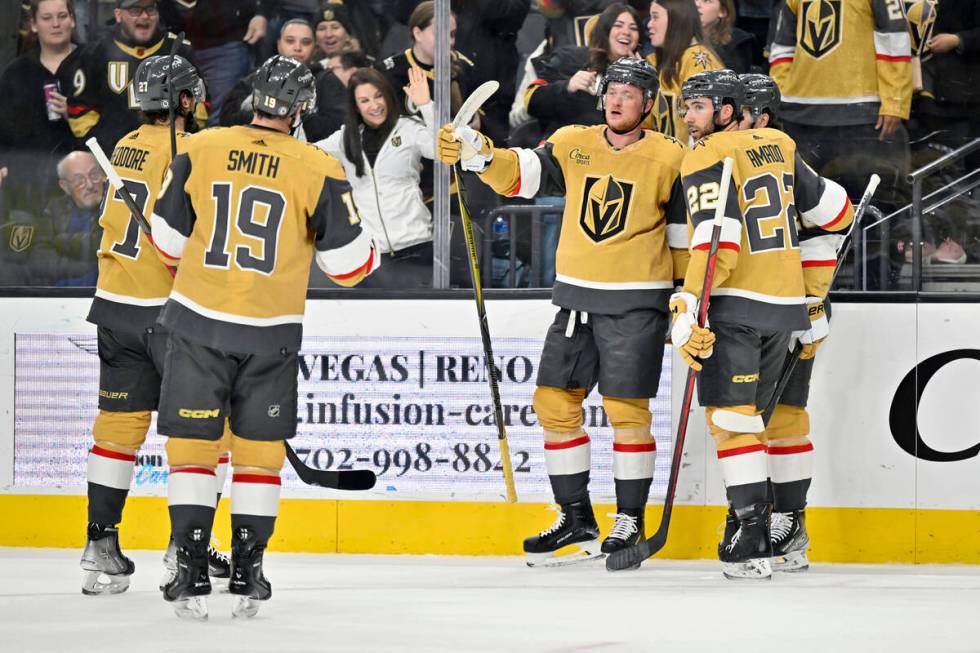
[
  {"x": 701, "y": 59},
  {"x": 388, "y": 63}
]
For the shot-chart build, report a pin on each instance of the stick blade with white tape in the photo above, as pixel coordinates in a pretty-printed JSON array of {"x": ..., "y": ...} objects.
[{"x": 474, "y": 102}]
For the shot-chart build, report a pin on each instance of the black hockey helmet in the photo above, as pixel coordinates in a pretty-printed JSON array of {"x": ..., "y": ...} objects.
[
  {"x": 636, "y": 72},
  {"x": 761, "y": 94},
  {"x": 281, "y": 86},
  {"x": 717, "y": 85},
  {"x": 155, "y": 76}
]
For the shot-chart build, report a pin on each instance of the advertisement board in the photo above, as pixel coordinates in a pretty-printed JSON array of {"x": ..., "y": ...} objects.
[{"x": 414, "y": 409}]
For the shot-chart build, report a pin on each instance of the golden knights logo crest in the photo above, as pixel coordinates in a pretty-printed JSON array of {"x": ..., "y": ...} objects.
[
  {"x": 21, "y": 236},
  {"x": 118, "y": 76},
  {"x": 663, "y": 114},
  {"x": 605, "y": 207},
  {"x": 922, "y": 18},
  {"x": 821, "y": 27}
]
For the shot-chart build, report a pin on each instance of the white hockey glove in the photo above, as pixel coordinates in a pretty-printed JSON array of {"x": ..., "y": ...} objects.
[
  {"x": 476, "y": 150},
  {"x": 811, "y": 338},
  {"x": 691, "y": 341}
]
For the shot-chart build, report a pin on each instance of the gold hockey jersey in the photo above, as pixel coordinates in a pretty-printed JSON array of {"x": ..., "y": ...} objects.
[
  {"x": 622, "y": 209},
  {"x": 133, "y": 282},
  {"x": 758, "y": 278},
  {"x": 243, "y": 209},
  {"x": 666, "y": 115},
  {"x": 842, "y": 62}
]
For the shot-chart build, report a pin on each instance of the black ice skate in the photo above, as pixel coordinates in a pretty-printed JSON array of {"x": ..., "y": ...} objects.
[
  {"x": 627, "y": 531},
  {"x": 731, "y": 527},
  {"x": 248, "y": 583},
  {"x": 219, "y": 565},
  {"x": 789, "y": 541},
  {"x": 190, "y": 586},
  {"x": 107, "y": 570},
  {"x": 748, "y": 553},
  {"x": 573, "y": 537}
]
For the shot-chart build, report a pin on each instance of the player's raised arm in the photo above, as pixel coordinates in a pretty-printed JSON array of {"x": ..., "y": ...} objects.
[{"x": 514, "y": 172}]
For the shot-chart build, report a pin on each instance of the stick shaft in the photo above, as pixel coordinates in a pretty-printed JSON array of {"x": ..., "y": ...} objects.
[{"x": 481, "y": 313}]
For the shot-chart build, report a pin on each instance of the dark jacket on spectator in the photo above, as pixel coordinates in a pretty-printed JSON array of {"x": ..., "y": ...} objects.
[
  {"x": 210, "y": 23},
  {"x": 74, "y": 235},
  {"x": 737, "y": 53},
  {"x": 30, "y": 144},
  {"x": 25, "y": 258},
  {"x": 567, "y": 19},
  {"x": 955, "y": 75},
  {"x": 548, "y": 99},
  {"x": 486, "y": 32}
]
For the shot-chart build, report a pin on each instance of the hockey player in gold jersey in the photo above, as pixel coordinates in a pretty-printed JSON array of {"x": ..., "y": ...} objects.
[
  {"x": 790, "y": 451},
  {"x": 242, "y": 210},
  {"x": 758, "y": 294},
  {"x": 623, "y": 221},
  {"x": 132, "y": 287}
]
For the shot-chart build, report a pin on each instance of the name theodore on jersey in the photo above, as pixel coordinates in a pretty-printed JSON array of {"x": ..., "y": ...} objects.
[
  {"x": 765, "y": 155},
  {"x": 130, "y": 157},
  {"x": 254, "y": 163}
]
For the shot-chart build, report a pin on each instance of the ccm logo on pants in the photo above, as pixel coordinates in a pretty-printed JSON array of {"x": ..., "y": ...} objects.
[{"x": 199, "y": 414}]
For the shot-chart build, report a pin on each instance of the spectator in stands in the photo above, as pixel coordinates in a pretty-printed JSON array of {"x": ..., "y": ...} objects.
[
  {"x": 297, "y": 42},
  {"x": 10, "y": 13},
  {"x": 99, "y": 103},
  {"x": 221, "y": 33},
  {"x": 568, "y": 77},
  {"x": 568, "y": 19},
  {"x": 733, "y": 45},
  {"x": 679, "y": 51},
  {"x": 34, "y": 131},
  {"x": 381, "y": 151},
  {"x": 565, "y": 94},
  {"x": 755, "y": 17},
  {"x": 487, "y": 35},
  {"x": 69, "y": 226},
  {"x": 946, "y": 109},
  {"x": 344, "y": 65},
  {"x": 849, "y": 125},
  {"x": 334, "y": 31},
  {"x": 422, "y": 55}
]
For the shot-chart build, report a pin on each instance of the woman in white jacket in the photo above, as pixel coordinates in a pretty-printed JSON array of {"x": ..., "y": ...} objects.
[{"x": 381, "y": 152}]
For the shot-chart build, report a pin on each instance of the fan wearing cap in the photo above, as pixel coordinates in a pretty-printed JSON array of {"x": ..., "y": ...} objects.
[
  {"x": 623, "y": 226},
  {"x": 758, "y": 293},
  {"x": 101, "y": 99},
  {"x": 244, "y": 212}
]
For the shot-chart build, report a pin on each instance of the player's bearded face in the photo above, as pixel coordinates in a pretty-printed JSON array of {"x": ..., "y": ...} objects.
[
  {"x": 624, "y": 106},
  {"x": 699, "y": 117}
]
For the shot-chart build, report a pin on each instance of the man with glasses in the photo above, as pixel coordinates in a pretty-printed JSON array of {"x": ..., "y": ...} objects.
[
  {"x": 69, "y": 226},
  {"x": 101, "y": 101}
]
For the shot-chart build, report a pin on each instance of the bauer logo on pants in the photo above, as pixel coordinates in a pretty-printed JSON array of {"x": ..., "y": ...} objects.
[
  {"x": 821, "y": 26},
  {"x": 605, "y": 207}
]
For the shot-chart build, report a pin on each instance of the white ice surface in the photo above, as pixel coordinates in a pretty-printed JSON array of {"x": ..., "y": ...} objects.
[{"x": 460, "y": 604}]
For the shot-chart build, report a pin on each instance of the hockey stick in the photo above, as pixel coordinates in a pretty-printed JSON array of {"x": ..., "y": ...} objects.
[
  {"x": 170, "y": 96},
  {"x": 634, "y": 555},
  {"x": 794, "y": 356},
  {"x": 481, "y": 313},
  {"x": 355, "y": 479},
  {"x": 463, "y": 117}
]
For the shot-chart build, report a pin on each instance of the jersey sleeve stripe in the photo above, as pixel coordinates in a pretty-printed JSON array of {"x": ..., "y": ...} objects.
[
  {"x": 731, "y": 234},
  {"x": 820, "y": 263},
  {"x": 819, "y": 248},
  {"x": 167, "y": 240},
  {"x": 830, "y": 208},
  {"x": 893, "y": 46},
  {"x": 529, "y": 177},
  {"x": 349, "y": 259},
  {"x": 677, "y": 236}
]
